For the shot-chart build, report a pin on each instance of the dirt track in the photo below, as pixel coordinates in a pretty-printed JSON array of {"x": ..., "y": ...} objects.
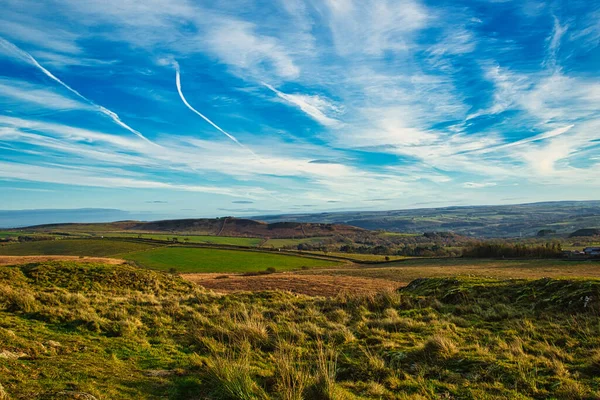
[
  {"x": 13, "y": 260},
  {"x": 314, "y": 285}
]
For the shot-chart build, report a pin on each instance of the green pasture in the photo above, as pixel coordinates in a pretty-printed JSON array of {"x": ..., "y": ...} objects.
[
  {"x": 74, "y": 247},
  {"x": 188, "y": 259},
  {"x": 210, "y": 239},
  {"x": 280, "y": 243}
]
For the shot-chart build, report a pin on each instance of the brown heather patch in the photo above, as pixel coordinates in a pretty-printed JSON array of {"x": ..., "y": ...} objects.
[
  {"x": 313, "y": 285},
  {"x": 406, "y": 271}
]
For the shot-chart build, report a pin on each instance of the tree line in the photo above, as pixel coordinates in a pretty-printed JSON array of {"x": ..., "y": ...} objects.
[{"x": 512, "y": 250}]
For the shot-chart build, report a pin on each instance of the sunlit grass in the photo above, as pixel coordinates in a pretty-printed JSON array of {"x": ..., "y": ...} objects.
[
  {"x": 122, "y": 332},
  {"x": 184, "y": 259}
]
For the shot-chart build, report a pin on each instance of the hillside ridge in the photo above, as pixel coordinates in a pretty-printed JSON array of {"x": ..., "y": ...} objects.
[{"x": 226, "y": 226}]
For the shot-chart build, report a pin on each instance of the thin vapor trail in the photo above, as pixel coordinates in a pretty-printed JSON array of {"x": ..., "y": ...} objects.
[
  {"x": 178, "y": 83},
  {"x": 28, "y": 57}
]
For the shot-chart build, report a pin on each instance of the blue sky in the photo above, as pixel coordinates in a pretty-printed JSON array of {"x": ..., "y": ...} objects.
[{"x": 295, "y": 106}]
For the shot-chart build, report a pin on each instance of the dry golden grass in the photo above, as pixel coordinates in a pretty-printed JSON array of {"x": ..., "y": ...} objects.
[
  {"x": 16, "y": 260},
  {"x": 404, "y": 272},
  {"x": 121, "y": 332},
  {"x": 365, "y": 279}
]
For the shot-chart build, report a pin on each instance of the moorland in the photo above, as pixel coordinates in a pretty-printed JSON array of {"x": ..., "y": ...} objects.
[
  {"x": 491, "y": 221},
  {"x": 240, "y": 309}
]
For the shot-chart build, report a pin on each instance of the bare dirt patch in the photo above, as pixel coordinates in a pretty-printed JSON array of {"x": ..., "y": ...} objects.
[
  {"x": 14, "y": 260},
  {"x": 313, "y": 285}
]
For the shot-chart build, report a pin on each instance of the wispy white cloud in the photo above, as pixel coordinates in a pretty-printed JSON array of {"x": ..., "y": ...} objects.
[
  {"x": 22, "y": 189},
  {"x": 316, "y": 107},
  {"x": 477, "y": 185},
  {"x": 536, "y": 138},
  {"x": 404, "y": 76},
  {"x": 554, "y": 43},
  {"x": 178, "y": 84},
  {"x": 509, "y": 90},
  {"x": 235, "y": 43},
  {"x": 588, "y": 32},
  {"x": 552, "y": 158},
  {"x": 557, "y": 98},
  {"x": 23, "y": 55},
  {"x": 61, "y": 61},
  {"x": 64, "y": 175},
  {"x": 197, "y": 157},
  {"x": 374, "y": 27},
  {"x": 457, "y": 41},
  {"x": 20, "y": 92},
  {"x": 56, "y": 39}
]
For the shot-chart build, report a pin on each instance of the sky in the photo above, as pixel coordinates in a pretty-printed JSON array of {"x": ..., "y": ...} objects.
[{"x": 239, "y": 107}]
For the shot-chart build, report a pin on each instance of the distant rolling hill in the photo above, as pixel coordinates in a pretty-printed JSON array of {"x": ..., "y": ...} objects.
[
  {"x": 226, "y": 226},
  {"x": 504, "y": 221},
  {"x": 21, "y": 218},
  {"x": 563, "y": 217}
]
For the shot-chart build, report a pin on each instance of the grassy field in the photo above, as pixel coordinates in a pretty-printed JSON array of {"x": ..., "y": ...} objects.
[
  {"x": 410, "y": 269},
  {"x": 15, "y": 234},
  {"x": 357, "y": 256},
  {"x": 579, "y": 246},
  {"x": 401, "y": 234},
  {"x": 217, "y": 260},
  {"x": 226, "y": 240},
  {"x": 279, "y": 243},
  {"x": 72, "y": 331},
  {"x": 74, "y": 247},
  {"x": 79, "y": 228},
  {"x": 4, "y": 234}
]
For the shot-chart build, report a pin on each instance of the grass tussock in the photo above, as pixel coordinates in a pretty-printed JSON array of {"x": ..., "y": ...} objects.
[
  {"x": 122, "y": 332},
  {"x": 230, "y": 377},
  {"x": 3, "y": 394},
  {"x": 439, "y": 347},
  {"x": 292, "y": 375}
]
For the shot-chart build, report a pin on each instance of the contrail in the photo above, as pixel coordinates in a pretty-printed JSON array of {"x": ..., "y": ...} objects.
[
  {"x": 178, "y": 82},
  {"x": 112, "y": 115}
]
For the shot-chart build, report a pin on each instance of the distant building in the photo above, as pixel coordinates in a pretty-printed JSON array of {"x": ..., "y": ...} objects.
[{"x": 592, "y": 251}]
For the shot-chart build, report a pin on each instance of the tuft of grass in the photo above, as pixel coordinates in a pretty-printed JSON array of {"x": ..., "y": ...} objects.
[
  {"x": 20, "y": 300},
  {"x": 3, "y": 394},
  {"x": 594, "y": 362},
  {"x": 230, "y": 378},
  {"x": 439, "y": 347},
  {"x": 324, "y": 386},
  {"x": 570, "y": 389},
  {"x": 291, "y": 375}
]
